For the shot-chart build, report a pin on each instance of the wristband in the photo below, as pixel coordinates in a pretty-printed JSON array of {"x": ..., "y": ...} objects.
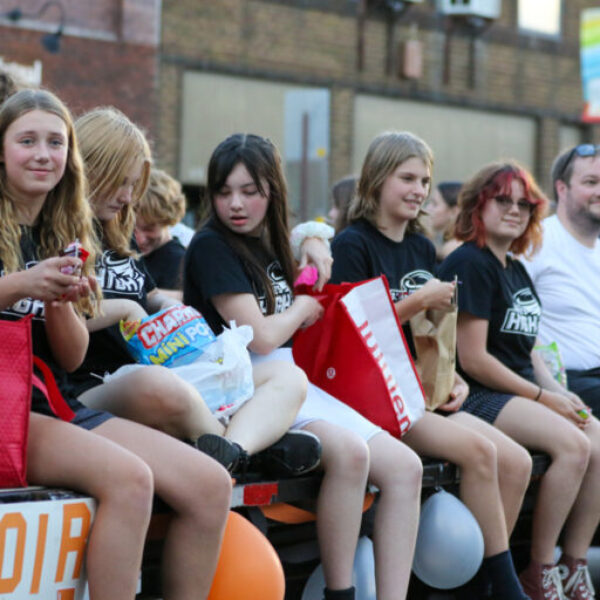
[
  {"x": 307, "y": 230},
  {"x": 539, "y": 394}
]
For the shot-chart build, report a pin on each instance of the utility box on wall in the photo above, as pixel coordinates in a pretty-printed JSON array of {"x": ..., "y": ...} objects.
[{"x": 488, "y": 9}]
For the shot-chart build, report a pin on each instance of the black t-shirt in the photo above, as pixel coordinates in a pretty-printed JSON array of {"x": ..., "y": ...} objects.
[
  {"x": 119, "y": 277},
  {"x": 165, "y": 264},
  {"x": 211, "y": 267},
  {"x": 362, "y": 252},
  {"x": 41, "y": 346},
  {"x": 505, "y": 297}
]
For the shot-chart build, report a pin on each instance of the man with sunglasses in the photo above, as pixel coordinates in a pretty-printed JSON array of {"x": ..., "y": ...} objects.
[{"x": 566, "y": 271}]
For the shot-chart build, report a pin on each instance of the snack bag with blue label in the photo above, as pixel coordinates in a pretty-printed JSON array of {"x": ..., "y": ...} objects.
[{"x": 176, "y": 335}]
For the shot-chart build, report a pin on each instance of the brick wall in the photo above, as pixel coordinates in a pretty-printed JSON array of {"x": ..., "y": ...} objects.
[{"x": 315, "y": 42}]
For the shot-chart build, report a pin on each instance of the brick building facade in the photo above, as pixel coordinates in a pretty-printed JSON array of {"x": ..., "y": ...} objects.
[
  {"x": 522, "y": 91},
  {"x": 108, "y": 52}
]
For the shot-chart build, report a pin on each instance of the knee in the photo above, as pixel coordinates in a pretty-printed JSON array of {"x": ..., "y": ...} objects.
[
  {"x": 405, "y": 475},
  {"x": 130, "y": 487},
  {"x": 171, "y": 396},
  {"x": 576, "y": 449},
  {"x": 518, "y": 465},
  {"x": 481, "y": 457},
  {"x": 348, "y": 457},
  {"x": 207, "y": 495},
  {"x": 290, "y": 383}
]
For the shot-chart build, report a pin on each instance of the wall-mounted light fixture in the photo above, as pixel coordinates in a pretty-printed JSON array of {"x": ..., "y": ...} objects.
[{"x": 50, "y": 41}]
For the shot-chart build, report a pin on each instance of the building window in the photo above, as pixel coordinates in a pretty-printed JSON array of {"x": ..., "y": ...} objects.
[{"x": 541, "y": 17}]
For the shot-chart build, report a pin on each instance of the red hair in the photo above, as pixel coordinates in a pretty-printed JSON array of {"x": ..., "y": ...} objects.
[{"x": 489, "y": 182}]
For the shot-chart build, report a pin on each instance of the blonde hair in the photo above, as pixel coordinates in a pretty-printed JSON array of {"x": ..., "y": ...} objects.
[
  {"x": 66, "y": 214},
  {"x": 164, "y": 202},
  {"x": 385, "y": 154},
  {"x": 111, "y": 145}
]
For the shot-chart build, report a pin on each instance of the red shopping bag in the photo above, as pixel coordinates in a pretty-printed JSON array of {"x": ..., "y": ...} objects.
[
  {"x": 16, "y": 380},
  {"x": 357, "y": 353}
]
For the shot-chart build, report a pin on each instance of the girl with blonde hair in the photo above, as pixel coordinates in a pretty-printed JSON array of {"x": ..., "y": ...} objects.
[
  {"x": 386, "y": 237},
  {"x": 44, "y": 208}
]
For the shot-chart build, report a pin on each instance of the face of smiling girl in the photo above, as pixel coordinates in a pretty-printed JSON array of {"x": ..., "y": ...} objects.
[
  {"x": 403, "y": 192},
  {"x": 239, "y": 204},
  {"x": 34, "y": 152}
]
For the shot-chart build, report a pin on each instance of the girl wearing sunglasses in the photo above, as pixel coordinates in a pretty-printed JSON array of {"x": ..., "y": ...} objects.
[{"x": 500, "y": 212}]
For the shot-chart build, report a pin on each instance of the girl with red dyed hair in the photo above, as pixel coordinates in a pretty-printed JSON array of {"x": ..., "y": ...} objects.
[{"x": 500, "y": 212}]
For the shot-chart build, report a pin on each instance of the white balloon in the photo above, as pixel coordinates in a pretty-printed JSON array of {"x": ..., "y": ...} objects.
[
  {"x": 449, "y": 547},
  {"x": 363, "y": 576}
]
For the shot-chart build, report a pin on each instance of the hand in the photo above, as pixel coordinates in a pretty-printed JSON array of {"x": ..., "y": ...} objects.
[
  {"x": 46, "y": 282},
  {"x": 458, "y": 395},
  {"x": 565, "y": 406},
  {"x": 314, "y": 251},
  {"x": 437, "y": 294},
  {"x": 311, "y": 308}
]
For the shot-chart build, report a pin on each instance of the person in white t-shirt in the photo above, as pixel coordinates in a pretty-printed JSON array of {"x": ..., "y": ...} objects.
[{"x": 566, "y": 271}]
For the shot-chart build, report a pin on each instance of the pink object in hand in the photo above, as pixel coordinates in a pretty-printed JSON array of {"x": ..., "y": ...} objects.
[{"x": 308, "y": 276}]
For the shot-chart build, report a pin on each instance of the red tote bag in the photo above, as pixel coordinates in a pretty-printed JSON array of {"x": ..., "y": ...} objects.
[
  {"x": 16, "y": 380},
  {"x": 358, "y": 354}
]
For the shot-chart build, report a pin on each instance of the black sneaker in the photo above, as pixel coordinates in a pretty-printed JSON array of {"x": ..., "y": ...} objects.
[
  {"x": 296, "y": 453},
  {"x": 231, "y": 455}
]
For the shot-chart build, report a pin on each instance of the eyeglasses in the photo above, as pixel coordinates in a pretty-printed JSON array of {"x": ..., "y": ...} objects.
[
  {"x": 583, "y": 150},
  {"x": 505, "y": 203}
]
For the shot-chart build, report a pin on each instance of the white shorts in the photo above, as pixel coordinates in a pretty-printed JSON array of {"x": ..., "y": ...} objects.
[{"x": 321, "y": 406}]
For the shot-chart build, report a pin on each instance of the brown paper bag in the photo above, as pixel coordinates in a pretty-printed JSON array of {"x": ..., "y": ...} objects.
[{"x": 434, "y": 335}]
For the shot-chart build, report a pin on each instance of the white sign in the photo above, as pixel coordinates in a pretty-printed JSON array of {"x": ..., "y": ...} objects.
[{"x": 29, "y": 75}]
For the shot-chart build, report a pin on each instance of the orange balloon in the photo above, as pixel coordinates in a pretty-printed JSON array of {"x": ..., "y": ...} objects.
[{"x": 248, "y": 568}]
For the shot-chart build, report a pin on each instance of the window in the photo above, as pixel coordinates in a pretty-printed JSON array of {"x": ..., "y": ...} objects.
[{"x": 540, "y": 16}]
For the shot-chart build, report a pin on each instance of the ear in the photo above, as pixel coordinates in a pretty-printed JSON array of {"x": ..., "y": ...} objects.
[{"x": 560, "y": 187}]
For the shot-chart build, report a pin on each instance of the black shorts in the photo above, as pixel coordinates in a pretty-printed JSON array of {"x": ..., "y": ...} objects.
[{"x": 486, "y": 404}]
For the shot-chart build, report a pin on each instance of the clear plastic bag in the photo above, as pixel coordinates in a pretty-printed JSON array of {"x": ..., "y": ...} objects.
[{"x": 222, "y": 374}]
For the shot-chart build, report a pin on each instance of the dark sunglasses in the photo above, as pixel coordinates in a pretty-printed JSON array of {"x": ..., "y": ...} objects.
[
  {"x": 583, "y": 150},
  {"x": 505, "y": 203}
]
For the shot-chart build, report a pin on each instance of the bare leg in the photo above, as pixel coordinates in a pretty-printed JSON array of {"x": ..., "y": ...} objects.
[
  {"x": 514, "y": 466},
  {"x": 60, "y": 454},
  {"x": 157, "y": 397},
  {"x": 539, "y": 428},
  {"x": 440, "y": 437},
  {"x": 585, "y": 514},
  {"x": 345, "y": 461},
  {"x": 197, "y": 489},
  {"x": 397, "y": 472},
  {"x": 279, "y": 391}
]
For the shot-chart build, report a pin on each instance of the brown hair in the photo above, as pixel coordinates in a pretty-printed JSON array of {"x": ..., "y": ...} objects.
[
  {"x": 164, "y": 202},
  {"x": 66, "y": 214},
  {"x": 494, "y": 180},
  {"x": 385, "y": 154},
  {"x": 263, "y": 162}
]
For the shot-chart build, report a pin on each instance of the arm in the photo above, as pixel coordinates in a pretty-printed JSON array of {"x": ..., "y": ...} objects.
[
  {"x": 67, "y": 334},
  {"x": 114, "y": 310},
  {"x": 478, "y": 363},
  {"x": 157, "y": 300},
  {"x": 270, "y": 331}
]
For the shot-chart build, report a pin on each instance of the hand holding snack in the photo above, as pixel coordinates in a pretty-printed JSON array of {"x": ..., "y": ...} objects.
[{"x": 75, "y": 250}]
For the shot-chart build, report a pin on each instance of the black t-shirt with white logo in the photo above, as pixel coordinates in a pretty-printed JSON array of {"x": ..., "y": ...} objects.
[
  {"x": 505, "y": 297},
  {"x": 165, "y": 264},
  {"x": 41, "y": 346},
  {"x": 362, "y": 252},
  {"x": 119, "y": 277},
  {"x": 212, "y": 267}
]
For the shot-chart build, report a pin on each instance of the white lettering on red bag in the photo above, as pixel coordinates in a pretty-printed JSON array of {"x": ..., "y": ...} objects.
[{"x": 397, "y": 402}]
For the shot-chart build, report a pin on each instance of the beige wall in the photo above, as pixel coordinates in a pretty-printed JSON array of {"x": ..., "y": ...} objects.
[
  {"x": 215, "y": 106},
  {"x": 462, "y": 140}
]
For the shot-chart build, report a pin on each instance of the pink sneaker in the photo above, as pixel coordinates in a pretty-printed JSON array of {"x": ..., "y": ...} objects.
[
  {"x": 576, "y": 579},
  {"x": 542, "y": 582}
]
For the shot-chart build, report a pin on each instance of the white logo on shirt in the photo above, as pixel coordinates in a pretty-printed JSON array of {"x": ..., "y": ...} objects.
[
  {"x": 120, "y": 275},
  {"x": 524, "y": 315},
  {"x": 26, "y": 306},
  {"x": 281, "y": 290},
  {"x": 410, "y": 283}
]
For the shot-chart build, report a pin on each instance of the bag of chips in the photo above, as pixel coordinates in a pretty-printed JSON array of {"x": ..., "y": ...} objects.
[{"x": 174, "y": 336}]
